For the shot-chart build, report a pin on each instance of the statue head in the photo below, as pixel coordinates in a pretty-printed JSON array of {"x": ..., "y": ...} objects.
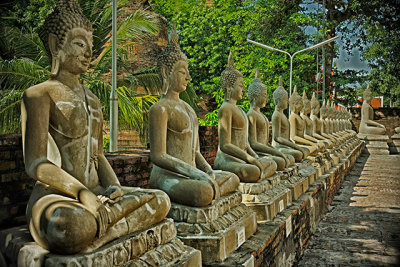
[
  {"x": 367, "y": 95},
  {"x": 257, "y": 91},
  {"x": 172, "y": 64},
  {"x": 315, "y": 107},
  {"x": 306, "y": 104},
  {"x": 67, "y": 37},
  {"x": 296, "y": 101},
  {"x": 324, "y": 111},
  {"x": 280, "y": 96},
  {"x": 231, "y": 80}
]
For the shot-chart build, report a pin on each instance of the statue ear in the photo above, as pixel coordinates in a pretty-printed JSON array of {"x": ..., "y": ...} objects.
[
  {"x": 163, "y": 71},
  {"x": 55, "y": 60},
  {"x": 53, "y": 42}
]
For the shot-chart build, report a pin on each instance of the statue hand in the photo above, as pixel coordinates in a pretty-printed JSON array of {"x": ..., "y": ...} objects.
[
  {"x": 287, "y": 160},
  {"x": 257, "y": 162},
  {"x": 214, "y": 184},
  {"x": 94, "y": 205},
  {"x": 113, "y": 192}
]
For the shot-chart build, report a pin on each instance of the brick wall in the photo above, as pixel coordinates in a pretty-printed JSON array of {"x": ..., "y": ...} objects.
[{"x": 131, "y": 167}]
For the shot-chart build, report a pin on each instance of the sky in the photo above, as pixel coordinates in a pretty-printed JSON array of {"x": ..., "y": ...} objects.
[{"x": 345, "y": 60}]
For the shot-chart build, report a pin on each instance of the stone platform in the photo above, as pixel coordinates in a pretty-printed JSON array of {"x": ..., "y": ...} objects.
[
  {"x": 155, "y": 246},
  {"x": 375, "y": 144},
  {"x": 281, "y": 242},
  {"x": 395, "y": 144},
  {"x": 216, "y": 230}
]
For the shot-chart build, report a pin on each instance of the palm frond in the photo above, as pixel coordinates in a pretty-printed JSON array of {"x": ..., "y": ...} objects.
[
  {"x": 19, "y": 74},
  {"x": 134, "y": 110},
  {"x": 147, "y": 78},
  {"x": 10, "y": 106},
  {"x": 17, "y": 44},
  {"x": 134, "y": 27}
]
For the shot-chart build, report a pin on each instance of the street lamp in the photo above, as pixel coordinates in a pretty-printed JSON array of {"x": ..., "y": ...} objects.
[
  {"x": 295, "y": 53},
  {"x": 114, "y": 95}
]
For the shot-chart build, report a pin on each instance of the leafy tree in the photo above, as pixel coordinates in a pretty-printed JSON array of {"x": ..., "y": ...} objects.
[{"x": 209, "y": 29}]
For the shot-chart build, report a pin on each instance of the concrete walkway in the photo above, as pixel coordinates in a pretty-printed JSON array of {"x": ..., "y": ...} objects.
[{"x": 362, "y": 227}]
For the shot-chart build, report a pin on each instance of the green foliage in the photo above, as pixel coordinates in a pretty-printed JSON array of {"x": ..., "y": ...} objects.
[
  {"x": 208, "y": 32},
  {"x": 106, "y": 143}
]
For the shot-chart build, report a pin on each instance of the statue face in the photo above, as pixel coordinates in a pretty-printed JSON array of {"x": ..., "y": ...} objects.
[
  {"x": 262, "y": 99},
  {"x": 307, "y": 108},
  {"x": 237, "y": 89},
  {"x": 179, "y": 76},
  {"x": 76, "y": 53}
]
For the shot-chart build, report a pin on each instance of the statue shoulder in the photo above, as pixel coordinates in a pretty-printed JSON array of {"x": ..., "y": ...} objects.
[
  {"x": 41, "y": 90},
  {"x": 160, "y": 107}
]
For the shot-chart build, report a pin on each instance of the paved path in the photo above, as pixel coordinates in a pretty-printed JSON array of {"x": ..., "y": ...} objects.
[{"x": 362, "y": 227}]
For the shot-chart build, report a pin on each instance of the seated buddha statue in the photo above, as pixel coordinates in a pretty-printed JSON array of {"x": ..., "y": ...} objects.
[
  {"x": 77, "y": 203},
  {"x": 281, "y": 127},
  {"x": 331, "y": 122},
  {"x": 308, "y": 130},
  {"x": 179, "y": 168},
  {"x": 259, "y": 125},
  {"x": 325, "y": 126},
  {"x": 234, "y": 151},
  {"x": 297, "y": 125},
  {"x": 367, "y": 124},
  {"x": 316, "y": 122}
]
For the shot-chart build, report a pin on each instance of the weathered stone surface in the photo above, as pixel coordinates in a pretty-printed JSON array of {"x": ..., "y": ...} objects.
[
  {"x": 282, "y": 241},
  {"x": 375, "y": 144},
  {"x": 361, "y": 228},
  {"x": 154, "y": 246},
  {"x": 222, "y": 236},
  {"x": 182, "y": 213}
]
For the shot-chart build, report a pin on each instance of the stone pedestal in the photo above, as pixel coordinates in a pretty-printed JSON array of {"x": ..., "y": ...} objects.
[
  {"x": 154, "y": 246},
  {"x": 216, "y": 230},
  {"x": 269, "y": 197},
  {"x": 375, "y": 144},
  {"x": 396, "y": 144}
]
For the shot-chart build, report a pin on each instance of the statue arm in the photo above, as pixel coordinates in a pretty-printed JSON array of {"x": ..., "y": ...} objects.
[
  {"x": 105, "y": 171},
  {"x": 35, "y": 138},
  {"x": 257, "y": 146},
  {"x": 224, "y": 130},
  {"x": 158, "y": 119},
  {"x": 201, "y": 162}
]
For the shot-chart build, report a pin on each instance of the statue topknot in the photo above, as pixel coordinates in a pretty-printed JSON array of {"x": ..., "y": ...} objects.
[
  {"x": 171, "y": 54},
  {"x": 256, "y": 88},
  {"x": 306, "y": 103},
  {"x": 314, "y": 101},
  {"x": 66, "y": 15},
  {"x": 295, "y": 100},
  {"x": 367, "y": 93},
  {"x": 230, "y": 74}
]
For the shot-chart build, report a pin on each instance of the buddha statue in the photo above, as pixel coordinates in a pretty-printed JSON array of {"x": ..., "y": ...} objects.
[
  {"x": 281, "y": 127},
  {"x": 259, "y": 125},
  {"x": 234, "y": 151},
  {"x": 77, "y": 203},
  {"x": 297, "y": 125},
  {"x": 317, "y": 123},
  {"x": 367, "y": 124},
  {"x": 325, "y": 126},
  {"x": 179, "y": 168},
  {"x": 331, "y": 122},
  {"x": 308, "y": 130}
]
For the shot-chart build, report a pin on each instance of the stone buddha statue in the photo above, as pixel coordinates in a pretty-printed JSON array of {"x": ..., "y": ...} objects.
[
  {"x": 259, "y": 125},
  {"x": 308, "y": 130},
  {"x": 281, "y": 127},
  {"x": 325, "y": 126},
  {"x": 317, "y": 123},
  {"x": 77, "y": 203},
  {"x": 331, "y": 122},
  {"x": 297, "y": 125},
  {"x": 367, "y": 124},
  {"x": 234, "y": 151},
  {"x": 179, "y": 168}
]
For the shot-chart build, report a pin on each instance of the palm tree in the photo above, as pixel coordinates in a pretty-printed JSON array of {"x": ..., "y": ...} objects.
[{"x": 30, "y": 65}]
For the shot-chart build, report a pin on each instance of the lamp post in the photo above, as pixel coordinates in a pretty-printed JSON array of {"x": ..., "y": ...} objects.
[
  {"x": 295, "y": 53},
  {"x": 114, "y": 95}
]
